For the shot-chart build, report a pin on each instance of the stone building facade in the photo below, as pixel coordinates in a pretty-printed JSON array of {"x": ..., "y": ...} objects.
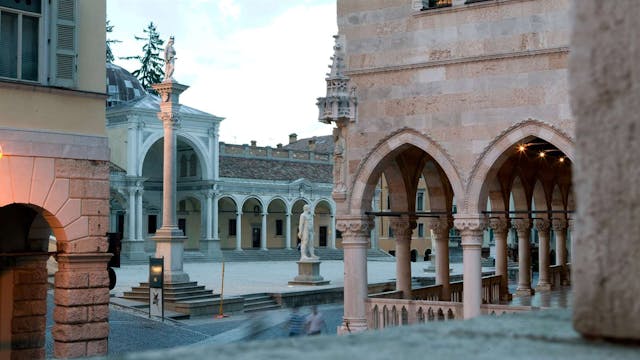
[
  {"x": 54, "y": 178},
  {"x": 471, "y": 96},
  {"x": 230, "y": 197}
]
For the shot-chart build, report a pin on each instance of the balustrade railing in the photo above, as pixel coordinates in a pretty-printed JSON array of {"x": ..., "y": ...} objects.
[
  {"x": 491, "y": 289},
  {"x": 383, "y": 313},
  {"x": 497, "y": 309}
]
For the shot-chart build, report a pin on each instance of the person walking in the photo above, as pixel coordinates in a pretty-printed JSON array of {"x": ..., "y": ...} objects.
[
  {"x": 314, "y": 323},
  {"x": 296, "y": 323}
]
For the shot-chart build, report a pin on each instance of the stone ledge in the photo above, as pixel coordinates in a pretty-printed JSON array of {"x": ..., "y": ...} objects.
[{"x": 545, "y": 334}]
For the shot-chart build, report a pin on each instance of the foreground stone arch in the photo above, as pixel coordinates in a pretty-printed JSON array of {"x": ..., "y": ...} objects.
[{"x": 373, "y": 164}]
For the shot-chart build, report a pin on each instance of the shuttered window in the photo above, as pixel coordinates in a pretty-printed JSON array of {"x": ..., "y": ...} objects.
[{"x": 64, "y": 44}]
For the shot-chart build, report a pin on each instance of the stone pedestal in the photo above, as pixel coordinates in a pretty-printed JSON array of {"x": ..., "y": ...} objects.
[
  {"x": 309, "y": 274},
  {"x": 170, "y": 245}
]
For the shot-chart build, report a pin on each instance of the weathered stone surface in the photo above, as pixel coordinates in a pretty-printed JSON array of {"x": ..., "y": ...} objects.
[
  {"x": 78, "y": 332},
  {"x": 604, "y": 87}
]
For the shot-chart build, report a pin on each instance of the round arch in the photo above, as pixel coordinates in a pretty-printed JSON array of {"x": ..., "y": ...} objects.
[
  {"x": 248, "y": 198},
  {"x": 276, "y": 198},
  {"x": 495, "y": 154},
  {"x": 330, "y": 205},
  {"x": 195, "y": 143},
  {"x": 396, "y": 143}
]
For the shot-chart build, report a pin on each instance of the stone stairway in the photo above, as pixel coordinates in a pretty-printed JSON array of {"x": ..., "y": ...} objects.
[
  {"x": 187, "y": 298},
  {"x": 259, "y": 302}
]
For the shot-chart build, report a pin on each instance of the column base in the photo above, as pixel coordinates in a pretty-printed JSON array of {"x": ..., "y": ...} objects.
[
  {"x": 352, "y": 326},
  {"x": 210, "y": 248},
  {"x": 309, "y": 274},
  {"x": 543, "y": 287},
  {"x": 524, "y": 292},
  {"x": 170, "y": 245},
  {"x": 134, "y": 250}
]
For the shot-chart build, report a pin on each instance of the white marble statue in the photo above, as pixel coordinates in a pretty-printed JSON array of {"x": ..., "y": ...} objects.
[
  {"x": 305, "y": 233},
  {"x": 169, "y": 60}
]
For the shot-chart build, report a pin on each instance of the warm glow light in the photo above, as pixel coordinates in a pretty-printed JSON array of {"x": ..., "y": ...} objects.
[
  {"x": 1, "y": 153},
  {"x": 541, "y": 154},
  {"x": 521, "y": 148},
  {"x": 561, "y": 159},
  {"x": 156, "y": 269}
]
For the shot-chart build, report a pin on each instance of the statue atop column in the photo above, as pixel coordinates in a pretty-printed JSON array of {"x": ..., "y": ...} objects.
[
  {"x": 169, "y": 60},
  {"x": 305, "y": 233}
]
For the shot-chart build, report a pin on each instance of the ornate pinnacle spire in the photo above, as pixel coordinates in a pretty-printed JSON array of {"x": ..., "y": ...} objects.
[{"x": 340, "y": 104}]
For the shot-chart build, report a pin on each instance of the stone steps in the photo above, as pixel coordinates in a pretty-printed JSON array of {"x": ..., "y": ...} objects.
[{"x": 259, "y": 302}]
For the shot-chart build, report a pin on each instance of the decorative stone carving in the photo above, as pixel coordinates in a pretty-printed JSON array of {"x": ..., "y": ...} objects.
[
  {"x": 498, "y": 224},
  {"x": 542, "y": 225},
  {"x": 169, "y": 62},
  {"x": 305, "y": 233},
  {"x": 471, "y": 229},
  {"x": 340, "y": 104},
  {"x": 403, "y": 228},
  {"x": 558, "y": 224},
  {"x": 338, "y": 161},
  {"x": 521, "y": 225},
  {"x": 440, "y": 226},
  {"x": 351, "y": 228},
  {"x": 170, "y": 119}
]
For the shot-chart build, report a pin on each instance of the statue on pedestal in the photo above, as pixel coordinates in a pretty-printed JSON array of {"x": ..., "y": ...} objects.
[
  {"x": 305, "y": 233},
  {"x": 169, "y": 60}
]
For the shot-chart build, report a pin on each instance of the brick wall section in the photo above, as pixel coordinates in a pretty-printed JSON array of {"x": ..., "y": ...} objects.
[{"x": 29, "y": 307}]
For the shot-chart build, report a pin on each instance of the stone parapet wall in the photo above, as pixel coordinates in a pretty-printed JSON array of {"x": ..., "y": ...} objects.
[{"x": 273, "y": 153}]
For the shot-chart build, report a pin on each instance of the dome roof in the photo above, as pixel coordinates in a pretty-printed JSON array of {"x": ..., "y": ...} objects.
[{"x": 122, "y": 86}]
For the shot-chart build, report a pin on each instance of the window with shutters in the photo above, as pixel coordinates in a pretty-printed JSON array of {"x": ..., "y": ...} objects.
[{"x": 33, "y": 51}]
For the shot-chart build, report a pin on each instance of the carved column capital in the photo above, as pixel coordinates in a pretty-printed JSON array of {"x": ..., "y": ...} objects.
[
  {"x": 470, "y": 224},
  {"x": 559, "y": 224},
  {"x": 355, "y": 231},
  {"x": 499, "y": 224},
  {"x": 403, "y": 227},
  {"x": 170, "y": 119},
  {"x": 570, "y": 224},
  {"x": 440, "y": 226},
  {"x": 521, "y": 225},
  {"x": 542, "y": 225}
]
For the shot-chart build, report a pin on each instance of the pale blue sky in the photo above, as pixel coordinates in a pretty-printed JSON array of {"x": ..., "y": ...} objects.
[{"x": 260, "y": 64}]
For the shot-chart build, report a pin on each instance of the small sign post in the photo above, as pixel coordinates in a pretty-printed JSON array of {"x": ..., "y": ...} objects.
[{"x": 156, "y": 286}]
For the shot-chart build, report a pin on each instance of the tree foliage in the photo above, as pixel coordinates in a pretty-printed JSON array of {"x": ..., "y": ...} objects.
[
  {"x": 110, "y": 56},
  {"x": 151, "y": 64}
]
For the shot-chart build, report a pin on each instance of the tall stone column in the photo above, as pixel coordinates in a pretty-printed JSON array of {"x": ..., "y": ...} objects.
[
  {"x": 560, "y": 229},
  {"x": 169, "y": 238},
  {"x": 355, "y": 241},
  {"x": 543, "y": 225},
  {"x": 209, "y": 245},
  {"x": 209, "y": 214},
  {"x": 402, "y": 231},
  {"x": 523, "y": 228},
  {"x": 139, "y": 222},
  {"x": 263, "y": 231},
  {"x": 131, "y": 214},
  {"x": 332, "y": 238},
  {"x": 215, "y": 219},
  {"x": 287, "y": 232},
  {"x": 239, "y": 230},
  {"x": 440, "y": 228},
  {"x": 500, "y": 227},
  {"x": 471, "y": 229}
]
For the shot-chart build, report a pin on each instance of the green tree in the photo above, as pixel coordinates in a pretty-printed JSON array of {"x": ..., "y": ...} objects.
[
  {"x": 150, "y": 71},
  {"x": 110, "y": 56}
]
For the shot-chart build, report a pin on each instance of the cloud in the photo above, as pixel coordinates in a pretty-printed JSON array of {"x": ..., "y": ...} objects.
[{"x": 229, "y": 9}]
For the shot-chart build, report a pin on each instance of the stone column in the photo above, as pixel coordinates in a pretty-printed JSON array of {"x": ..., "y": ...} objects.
[
  {"x": 332, "y": 238},
  {"x": 215, "y": 218},
  {"x": 263, "y": 232},
  {"x": 209, "y": 214},
  {"x": 131, "y": 215},
  {"x": 402, "y": 230},
  {"x": 523, "y": 228},
  {"x": 560, "y": 229},
  {"x": 139, "y": 222},
  {"x": 500, "y": 228},
  {"x": 132, "y": 151},
  {"x": 210, "y": 246},
  {"x": 440, "y": 228},
  {"x": 543, "y": 225},
  {"x": 287, "y": 232},
  {"x": 570, "y": 227},
  {"x": 82, "y": 305},
  {"x": 239, "y": 230},
  {"x": 355, "y": 241},
  {"x": 170, "y": 239},
  {"x": 471, "y": 229}
]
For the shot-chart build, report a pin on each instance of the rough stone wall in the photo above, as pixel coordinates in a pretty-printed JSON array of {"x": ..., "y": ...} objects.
[
  {"x": 461, "y": 75},
  {"x": 605, "y": 78}
]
